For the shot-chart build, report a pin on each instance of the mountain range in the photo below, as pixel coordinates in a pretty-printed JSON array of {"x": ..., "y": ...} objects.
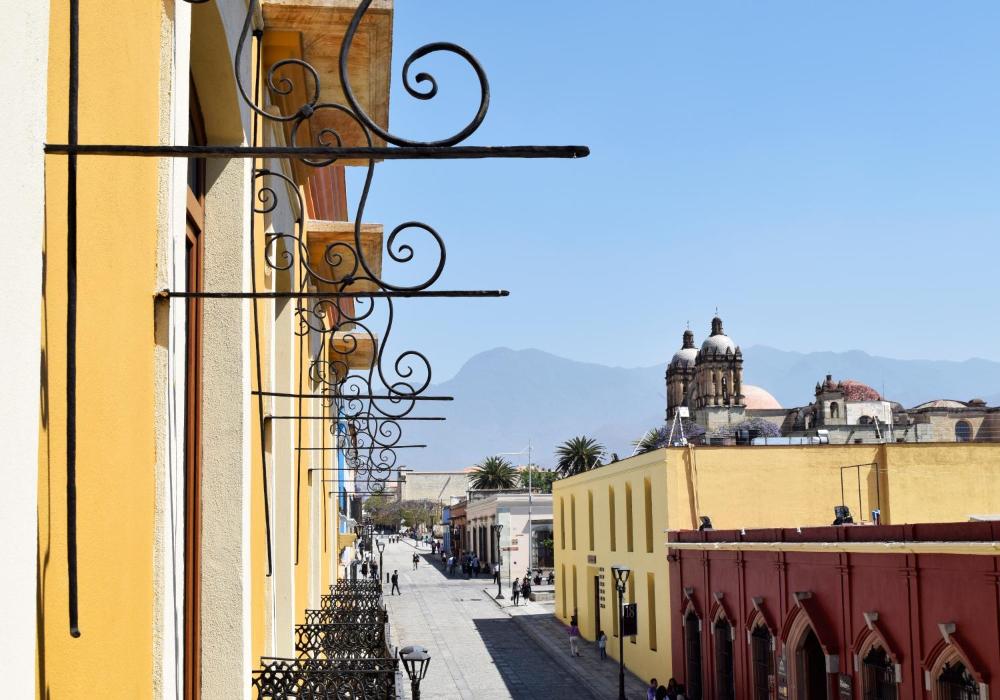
[{"x": 505, "y": 398}]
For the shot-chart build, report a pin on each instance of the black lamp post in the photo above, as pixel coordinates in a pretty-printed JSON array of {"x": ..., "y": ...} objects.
[
  {"x": 415, "y": 660},
  {"x": 381, "y": 548},
  {"x": 496, "y": 531},
  {"x": 621, "y": 578}
]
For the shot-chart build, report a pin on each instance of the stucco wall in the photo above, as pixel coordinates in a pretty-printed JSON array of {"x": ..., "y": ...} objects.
[
  {"x": 434, "y": 486},
  {"x": 23, "y": 54},
  {"x": 118, "y": 250}
]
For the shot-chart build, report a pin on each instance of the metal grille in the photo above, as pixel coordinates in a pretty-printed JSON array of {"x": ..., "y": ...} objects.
[
  {"x": 351, "y": 602},
  {"x": 692, "y": 645},
  {"x": 878, "y": 676},
  {"x": 320, "y": 679},
  {"x": 346, "y": 640},
  {"x": 358, "y": 616},
  {"x": 956, "y": 683},
  {"x": 763, "y": 662}
]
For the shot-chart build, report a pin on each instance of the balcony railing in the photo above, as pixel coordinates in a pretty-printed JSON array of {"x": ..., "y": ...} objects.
[
  {"x": 323, "y": 679},
  {"x": 341, "y": 640}
]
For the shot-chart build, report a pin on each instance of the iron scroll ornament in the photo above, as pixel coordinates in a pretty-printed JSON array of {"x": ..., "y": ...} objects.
[
  {"x": 285, "y": 86},
  {"x": 399, "y": 250}
]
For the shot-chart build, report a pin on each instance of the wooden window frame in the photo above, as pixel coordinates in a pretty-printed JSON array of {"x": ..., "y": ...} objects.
[{"x": 194, "y": 273}]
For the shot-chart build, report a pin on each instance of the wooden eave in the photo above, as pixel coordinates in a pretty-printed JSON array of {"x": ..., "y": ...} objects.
[
  {"x": 320, "y": 235},
  {"x": 356, "y": 350},
  {"x": 313, "y": 31}
]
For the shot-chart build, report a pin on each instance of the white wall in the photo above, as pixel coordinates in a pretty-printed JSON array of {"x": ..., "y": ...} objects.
[{"x": 23, "y": 55}]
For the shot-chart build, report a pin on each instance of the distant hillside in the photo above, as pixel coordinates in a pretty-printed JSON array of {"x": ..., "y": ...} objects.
[{"x": 505, "y": 397}]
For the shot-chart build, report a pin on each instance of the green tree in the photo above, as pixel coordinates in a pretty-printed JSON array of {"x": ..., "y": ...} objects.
[
  {"x": 578, "y": 455},
  {"x": 541, "y": 479},
  {"x": 494, "y": 473}
]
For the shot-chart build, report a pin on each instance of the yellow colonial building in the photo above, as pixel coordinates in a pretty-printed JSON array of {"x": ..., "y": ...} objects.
[
  {"x": 187, "y": 460},
  {"x": 619, "y": 515}
]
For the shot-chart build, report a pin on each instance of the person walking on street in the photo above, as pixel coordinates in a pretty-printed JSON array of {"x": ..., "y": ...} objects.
[
  {"x": 574, "y": 640},
  {"x": 602, "y": 644},
  {"x": 661, "y": 693},
  {"x": 651, "y": 690},
  {"x": 395, "y": 582},
  {"x": 374, "y": 571},
  {"x": 526, "y": 590},
  {"x": 496, "y": 573},
  {"x": 515, "y": 591},
  {"x": 416, "y": 560},
  {"x": 364, "y": 570}
]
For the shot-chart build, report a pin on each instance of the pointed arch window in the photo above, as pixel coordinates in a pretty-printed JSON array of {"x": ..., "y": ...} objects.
[
  {"x": 725, "y": 678},
  {"x": 692, "y": 653},
  {"x": 878, "y": 675},
  {"x": 956, "y": 683},
  {"x": 762, "y": 661}
]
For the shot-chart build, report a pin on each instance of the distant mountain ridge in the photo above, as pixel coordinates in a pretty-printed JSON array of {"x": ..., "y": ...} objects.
[{"x": 504, "y": 398}]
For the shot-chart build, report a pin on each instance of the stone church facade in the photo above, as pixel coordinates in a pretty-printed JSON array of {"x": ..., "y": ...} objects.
[{"x": 708, "y": 381}]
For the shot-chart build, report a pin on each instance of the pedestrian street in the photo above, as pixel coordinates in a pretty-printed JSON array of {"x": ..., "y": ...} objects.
[{"x": 480, "y": 649}]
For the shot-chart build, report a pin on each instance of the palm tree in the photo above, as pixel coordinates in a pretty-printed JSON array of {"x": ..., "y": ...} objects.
[
  {"x": 654, "y": 439},
  {"x": 578, "y": 455},
  {"x": 494, "y": 473}
]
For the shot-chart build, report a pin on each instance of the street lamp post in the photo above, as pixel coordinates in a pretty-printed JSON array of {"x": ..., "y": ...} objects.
[
  {"x": 496, "y": 531},
  {"x": 531, "y": 535},
  {"x": 621, "y": 578},
  {"x": 381, "y": 548},
  {"x": 415, "y": 660}
]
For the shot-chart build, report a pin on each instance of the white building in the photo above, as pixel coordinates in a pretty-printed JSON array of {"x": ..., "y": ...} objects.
[{"x": 511, "y": 510}]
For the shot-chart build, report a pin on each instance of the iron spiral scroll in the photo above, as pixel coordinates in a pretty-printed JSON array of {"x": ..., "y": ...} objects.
[{"x": 373, "y": 399}]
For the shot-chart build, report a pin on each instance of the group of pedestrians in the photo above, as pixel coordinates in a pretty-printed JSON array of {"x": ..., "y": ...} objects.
[
  {"x": 672, "y": 690},
  {"x": 470, "y": 565},
  {"x": 520, "y": 588},
  {"x": 369, "y": 569}
]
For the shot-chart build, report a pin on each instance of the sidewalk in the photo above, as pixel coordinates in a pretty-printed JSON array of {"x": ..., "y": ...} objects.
[
  {"x": 539, "y": 621},
  {"x": 482, "y": 650}
]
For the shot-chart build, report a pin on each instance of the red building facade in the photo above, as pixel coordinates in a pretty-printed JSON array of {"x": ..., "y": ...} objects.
[{"x": 908, "y": 611}]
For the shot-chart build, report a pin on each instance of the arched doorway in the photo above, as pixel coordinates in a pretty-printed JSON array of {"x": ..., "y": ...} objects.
[
  {"x": 692, "y": 652},
  {"x": 810, "y": 668},
  {"x": 963, "y": 431},
  {"x": 724, "y": 677}
]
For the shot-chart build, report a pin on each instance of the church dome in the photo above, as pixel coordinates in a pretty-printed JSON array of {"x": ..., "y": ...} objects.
[
  {"x": 856, "y": 391},
  {"x": 686, "y": 356},
  {"x": 718, "y": 341},
  {"x": 940, "y": 403},
  {"x": 758, "y": 397}
]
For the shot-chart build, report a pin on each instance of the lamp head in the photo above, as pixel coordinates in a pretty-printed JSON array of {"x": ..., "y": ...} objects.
[
  {"x": 621, "y": 574},
  {"x": 415, "y": 660},
  {"x": 381, "y": 546}
]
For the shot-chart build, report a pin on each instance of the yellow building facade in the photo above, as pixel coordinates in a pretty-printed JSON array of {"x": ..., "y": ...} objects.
[
  {"x": 618, "y": 514},
  {"x": 188, "y": 454}
]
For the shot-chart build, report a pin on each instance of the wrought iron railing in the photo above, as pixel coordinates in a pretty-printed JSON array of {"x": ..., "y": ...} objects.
[
  {"x": 330, "y": 602},
  {"x": 360, "y": 586},
  {"x": 322, "y": 679},
  {"x": 341, "y": 640},
  {"x": 375, "y": 398},
  {"x": 327, "y": 616}
]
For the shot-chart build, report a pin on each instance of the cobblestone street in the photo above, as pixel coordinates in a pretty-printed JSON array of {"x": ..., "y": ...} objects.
[{"x": 480, "y": 649}]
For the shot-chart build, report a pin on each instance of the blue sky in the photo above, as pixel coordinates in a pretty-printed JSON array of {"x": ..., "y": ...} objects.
[{"x": 828, "y": 176}]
